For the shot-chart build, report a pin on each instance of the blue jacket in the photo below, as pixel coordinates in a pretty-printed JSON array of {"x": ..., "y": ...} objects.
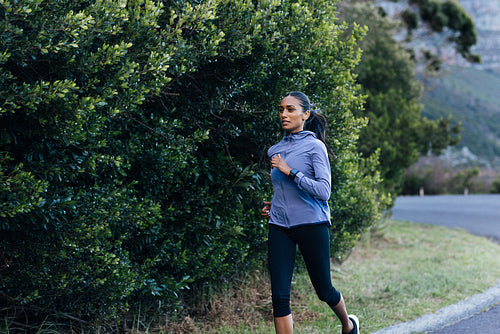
[{"x": 305, "y": 199}]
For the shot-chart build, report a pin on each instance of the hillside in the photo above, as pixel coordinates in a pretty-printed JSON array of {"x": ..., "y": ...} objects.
[
  {"x": 470, "y": 93},
  {"x": 485, "y": 15},
  {"x": 471, "y": 96}
]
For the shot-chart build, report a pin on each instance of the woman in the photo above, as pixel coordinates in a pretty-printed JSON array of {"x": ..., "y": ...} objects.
[{"x": 299, "y": 212}]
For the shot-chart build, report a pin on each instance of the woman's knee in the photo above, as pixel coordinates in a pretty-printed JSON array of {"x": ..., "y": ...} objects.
[{"x": 331, "y": 296}]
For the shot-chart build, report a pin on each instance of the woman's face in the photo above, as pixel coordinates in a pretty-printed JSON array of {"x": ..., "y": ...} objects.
[{"x": 292, "y": 115}]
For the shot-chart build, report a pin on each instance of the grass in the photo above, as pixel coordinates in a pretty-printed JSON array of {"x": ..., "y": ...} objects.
[{"x": 396, "y": 273}]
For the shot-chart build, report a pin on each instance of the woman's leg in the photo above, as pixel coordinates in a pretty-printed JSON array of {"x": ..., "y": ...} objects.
[
  {"x": 281, "y": 258},
  {"x": 283, "y": 325},
  {"x": 341, "y": 312},
  {"x": 314, "y": 244}
]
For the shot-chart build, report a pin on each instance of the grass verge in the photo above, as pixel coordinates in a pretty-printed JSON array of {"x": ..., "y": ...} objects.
[{"x": 396, "y": 273}]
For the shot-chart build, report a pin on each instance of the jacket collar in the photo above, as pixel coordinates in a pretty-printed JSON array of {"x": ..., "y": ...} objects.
[{"x": 298, "y": 135}]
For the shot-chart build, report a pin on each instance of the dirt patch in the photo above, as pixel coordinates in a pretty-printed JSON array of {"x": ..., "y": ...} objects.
[{"x": 246, "y": 305}]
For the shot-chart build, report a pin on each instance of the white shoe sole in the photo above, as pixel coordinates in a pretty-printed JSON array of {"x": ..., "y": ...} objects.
[{"x": 356, "y": 321}]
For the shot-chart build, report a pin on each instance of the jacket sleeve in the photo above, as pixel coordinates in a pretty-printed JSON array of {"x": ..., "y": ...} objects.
[{"x": 319, "y": 187}]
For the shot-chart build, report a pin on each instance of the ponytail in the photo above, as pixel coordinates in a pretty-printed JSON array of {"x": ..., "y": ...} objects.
[{"x": 317, "y": 123}]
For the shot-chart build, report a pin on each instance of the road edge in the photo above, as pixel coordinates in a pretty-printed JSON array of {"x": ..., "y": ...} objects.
[{"x": 448, "y": 315}]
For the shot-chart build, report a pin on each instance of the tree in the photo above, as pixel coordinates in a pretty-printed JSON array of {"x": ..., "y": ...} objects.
[
  {"x": 387, "y": 75},
  {"x": 133, "y": 139},
  {"x": 439, "y": 15},
  {"x": 445, "y": 21}
]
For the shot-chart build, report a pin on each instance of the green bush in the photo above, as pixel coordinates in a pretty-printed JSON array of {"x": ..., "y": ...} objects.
[
  {"x": 133, "y": 139},
  {"x": 495, "y": 186}
]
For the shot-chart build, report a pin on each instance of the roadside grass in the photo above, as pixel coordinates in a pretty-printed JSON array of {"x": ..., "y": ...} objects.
[{"x": 397, "y": 272}]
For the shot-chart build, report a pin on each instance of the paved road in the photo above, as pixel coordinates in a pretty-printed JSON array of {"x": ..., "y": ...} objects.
[
  {"x": 486, "y": 322},
  {"x": 478, "y": 214}
]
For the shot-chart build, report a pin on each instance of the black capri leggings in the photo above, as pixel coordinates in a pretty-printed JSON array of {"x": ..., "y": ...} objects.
[{"x": 314, "y": 244}]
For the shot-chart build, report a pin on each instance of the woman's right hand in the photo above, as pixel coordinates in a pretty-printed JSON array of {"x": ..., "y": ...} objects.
[{"x": 266, "y": 210}]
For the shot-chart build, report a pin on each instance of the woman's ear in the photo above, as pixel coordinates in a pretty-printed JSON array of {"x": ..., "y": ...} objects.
[{"x": 306, "y": 115}]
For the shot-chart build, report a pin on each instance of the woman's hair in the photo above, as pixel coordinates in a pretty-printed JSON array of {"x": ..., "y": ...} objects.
[{"x": 316, "y": 122}]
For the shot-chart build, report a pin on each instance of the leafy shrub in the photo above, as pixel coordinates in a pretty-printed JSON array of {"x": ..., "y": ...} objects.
[
  {"x": 133, "y": 138},
  {"x": 495, "y": 186}
]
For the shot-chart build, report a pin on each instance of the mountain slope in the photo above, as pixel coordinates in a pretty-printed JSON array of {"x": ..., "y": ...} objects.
[
  {"x": 471, "y": 93},
  {"x": 485, "y": 15},
  {"x": 472, "y": 97}
]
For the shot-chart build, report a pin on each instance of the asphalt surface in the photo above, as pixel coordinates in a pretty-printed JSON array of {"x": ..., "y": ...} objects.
[
  {"x": 478, "y": 214},
  {"x": 486, "y": 322}
]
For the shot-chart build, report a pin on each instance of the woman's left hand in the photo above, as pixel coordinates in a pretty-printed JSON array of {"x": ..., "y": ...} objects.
[
  {"x": 266, "y": 210},
  {"x": 278, "y": 162}
]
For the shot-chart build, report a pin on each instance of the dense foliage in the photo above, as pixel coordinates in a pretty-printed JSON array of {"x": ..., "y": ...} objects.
[
  {"x": 433, "y": 177},
  {"x": 133, "y": 138}
]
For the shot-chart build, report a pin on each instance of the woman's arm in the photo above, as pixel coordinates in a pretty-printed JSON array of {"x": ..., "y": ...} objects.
[{"x": 319, "y": 187}]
